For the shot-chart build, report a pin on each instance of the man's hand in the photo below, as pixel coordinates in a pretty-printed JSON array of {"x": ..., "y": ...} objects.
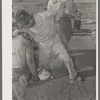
[
  {"x": 23, "y": 80},
  {"x": 62, "y": 0},
  {"x": 15, "y": 33},
  {"x": 77, "y": 13}
]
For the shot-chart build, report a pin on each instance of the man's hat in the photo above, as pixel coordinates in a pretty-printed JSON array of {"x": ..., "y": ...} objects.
[{"x": 22, "y": 17}]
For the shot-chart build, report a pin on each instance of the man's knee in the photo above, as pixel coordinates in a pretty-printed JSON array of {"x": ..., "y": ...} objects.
[
  {"x": 64, "y": 57},
  {"x": 18, "y": 91}
]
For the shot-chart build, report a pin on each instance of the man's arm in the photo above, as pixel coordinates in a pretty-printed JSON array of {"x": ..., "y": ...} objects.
[
  {"x": 60, "y": 11},
  {"x": 18, "y": 32},
  {"x": 31, "y": 62},
  {"x": 53, "y": 9},
  {"x": 51, "y": 3}
]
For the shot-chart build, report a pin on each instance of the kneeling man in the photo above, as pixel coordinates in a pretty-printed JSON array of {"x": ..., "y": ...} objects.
[{"x": 23, "y": 64}]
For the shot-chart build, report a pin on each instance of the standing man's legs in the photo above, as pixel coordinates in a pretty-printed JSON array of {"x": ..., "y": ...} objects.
[{"x": 59, "y": 49}]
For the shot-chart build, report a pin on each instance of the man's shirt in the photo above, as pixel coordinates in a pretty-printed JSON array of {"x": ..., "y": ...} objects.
[
  {"x": 45, "y": 28},
  {"x": 19, "y": 47}
]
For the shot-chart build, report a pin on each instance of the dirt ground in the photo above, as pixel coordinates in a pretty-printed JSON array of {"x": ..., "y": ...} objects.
[{"x": 61, "y": 89}]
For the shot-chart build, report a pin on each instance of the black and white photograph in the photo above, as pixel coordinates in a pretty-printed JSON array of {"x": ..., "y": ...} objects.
[{"x": 53, "y": 50}]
